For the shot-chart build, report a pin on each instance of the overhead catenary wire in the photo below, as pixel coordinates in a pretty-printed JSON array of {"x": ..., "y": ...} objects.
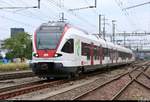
[
  {"x": 119, "y": 3},
  {"x": 5, "y": 2},
  {"x": 33, "y": 14},
  {"x": 99, "y": 15},
  {"x": 25, "y": 15},
  {"x": 66, "y": 9},
  {"x": 126, "y": 14},
  {"x": 86, "y": 7},
  {"x": 16, "y": 21},
  {"x": 20, "y": 7},
  {"x": 95, "y": 11},
  {"x": 137, "y": 5}
]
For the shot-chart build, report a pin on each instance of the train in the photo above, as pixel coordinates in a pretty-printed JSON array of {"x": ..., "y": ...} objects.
[{"x": 63, "y": 50}]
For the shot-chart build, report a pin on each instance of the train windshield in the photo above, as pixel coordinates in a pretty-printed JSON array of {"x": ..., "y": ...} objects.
[{"x": 47, "y": 40}]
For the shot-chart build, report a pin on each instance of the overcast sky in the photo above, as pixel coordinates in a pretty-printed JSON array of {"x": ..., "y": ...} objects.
[{"x": 135, "y": 19}]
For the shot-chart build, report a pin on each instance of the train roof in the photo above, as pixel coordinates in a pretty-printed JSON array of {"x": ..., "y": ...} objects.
[
  {"x": 104, "y": 43},
  {"x": 84, "y": 34},
  {"x": 54, "y": 23}
]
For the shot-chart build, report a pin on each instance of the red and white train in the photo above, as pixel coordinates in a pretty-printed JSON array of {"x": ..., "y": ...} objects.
[{"x": 60, "y": 49}]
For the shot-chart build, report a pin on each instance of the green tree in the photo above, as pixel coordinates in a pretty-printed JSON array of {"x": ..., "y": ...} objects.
[{"x": 19, "y": 46}]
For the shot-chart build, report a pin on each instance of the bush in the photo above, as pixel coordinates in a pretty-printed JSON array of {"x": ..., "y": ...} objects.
[{"x": 13, "y": 67}]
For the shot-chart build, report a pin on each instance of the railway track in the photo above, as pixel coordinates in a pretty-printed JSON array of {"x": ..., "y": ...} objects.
[
  {"x": 89, "y": 95},
  {"x": 27, "y": 88},
  {"x": 10, "y": 92},
  {"x": 10, "y": 88},
  {"x": 16, "y": 75}
]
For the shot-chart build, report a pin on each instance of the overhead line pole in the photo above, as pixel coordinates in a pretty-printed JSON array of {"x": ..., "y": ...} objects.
[
  {"x": 104, "y": 32},
  {"x": 124, "y": 38},
  {"x": 113, "y": 30},
  {"x": 95, "y": 3},
  {"x": 99, "y": 25},
  {"x": 39, "y": 4},
  {"x": 62, "y": 17}
]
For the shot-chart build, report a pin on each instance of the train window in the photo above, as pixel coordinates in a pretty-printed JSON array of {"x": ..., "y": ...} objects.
[
  {"x": 86, "y": 50},
  {"x": 124, "y": 55},
  {"x": 88, "y": 53},
  {"x": 111, "y": 53},
  {"x": 106, "y": 52},
  {"x": 47, "y": 40},
  {"x": 100, "y": 52},
  {"x": 119, "y": 53},
  {"x": 83, "y": 49},
  {"x": 96, "y": 53},
  {"x": 68, "y": 46}
]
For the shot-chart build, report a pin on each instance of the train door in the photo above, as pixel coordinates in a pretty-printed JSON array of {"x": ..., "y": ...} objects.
[{"x": 92, "y": 53}]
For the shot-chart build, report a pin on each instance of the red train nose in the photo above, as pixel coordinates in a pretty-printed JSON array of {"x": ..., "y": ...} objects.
[{"x": 46, "y": 54}]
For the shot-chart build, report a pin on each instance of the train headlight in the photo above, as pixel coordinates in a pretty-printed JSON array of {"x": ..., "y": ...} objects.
[
  {"x": 36, "y": 54},
  {"x": 57, "y": 55}
]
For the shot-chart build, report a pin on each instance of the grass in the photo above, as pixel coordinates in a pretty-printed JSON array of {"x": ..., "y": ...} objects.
[{"x": 13, "y": 67}]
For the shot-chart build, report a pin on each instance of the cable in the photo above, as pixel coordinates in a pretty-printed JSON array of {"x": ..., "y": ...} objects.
[
  {"x": 80, "y": 18},
  {"x": 10, "y": 19},
  {"x": 95, "y": 11},
  {"x": 33, "y": 13},
  {"x": 24, "y": 12},
  {"x": 48, "y": 9},
  {"x": 119, "y": 3},
  {"x": 137, "y": 5},
  {"x": 5, "y": 2},
  {"x": 24, "y": 15}
]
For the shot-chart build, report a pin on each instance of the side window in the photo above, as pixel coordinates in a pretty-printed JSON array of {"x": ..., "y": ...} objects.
[
  {"x": 96, "y": 53},
  {"x": 106, "y": 52},
  {"x": 85, "y": 50},
  {"x": 68, "y": 46}
]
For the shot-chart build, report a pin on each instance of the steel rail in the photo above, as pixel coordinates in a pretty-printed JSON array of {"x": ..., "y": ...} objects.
[
  {"x": 116, "y": 77},
  {"x": 105, "y": 83},
  {"x": 126, "y": 86},
  {"x": 13, "y": 93},
  {"x": 129, "y": 72},
  {"x": 9, "y": 88},
  {"x": 16, "y": 75}
]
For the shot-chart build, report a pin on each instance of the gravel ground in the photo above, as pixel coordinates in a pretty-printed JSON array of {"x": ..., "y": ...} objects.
[
  {"x": 148, "y": 71},
  {"x": 143, "y": 79},
  {"x": 12, "y": 72},
  {"x": 135, "y": 73},
  {"x": 135, "y": 92},
  {"x": 102, "y": 77},
  {"x": 108, "y": 91},
  {"x": 13, "y": 82},
  {"x": 77, "y": 91},
  {"x": 36, "y": 94}
]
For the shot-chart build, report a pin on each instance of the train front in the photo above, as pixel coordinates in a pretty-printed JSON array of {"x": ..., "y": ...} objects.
[{"x": 46, "y": 40}]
